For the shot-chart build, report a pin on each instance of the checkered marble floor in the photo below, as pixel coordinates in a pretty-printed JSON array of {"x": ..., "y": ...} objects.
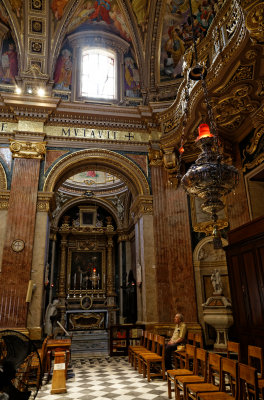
[{"x": 107, "y": 378}]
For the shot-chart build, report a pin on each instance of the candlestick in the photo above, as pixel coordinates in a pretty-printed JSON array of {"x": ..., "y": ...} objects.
[{"x": 74, "y": 281}]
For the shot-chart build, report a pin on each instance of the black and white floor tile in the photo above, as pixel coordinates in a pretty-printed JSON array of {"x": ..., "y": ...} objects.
[{"x": 106, "y": 378}]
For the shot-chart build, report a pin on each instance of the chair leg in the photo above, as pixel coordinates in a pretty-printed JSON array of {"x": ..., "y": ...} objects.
[
  {"x": 148, "y": 370},
  {"x": 177, "y": 391},
  {"x": 169, "y": 387}
]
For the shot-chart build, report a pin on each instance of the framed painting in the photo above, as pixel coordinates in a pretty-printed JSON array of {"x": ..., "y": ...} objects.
[
  {"x": 86, "y": 270},
  {"x": 88, "y": 216}
]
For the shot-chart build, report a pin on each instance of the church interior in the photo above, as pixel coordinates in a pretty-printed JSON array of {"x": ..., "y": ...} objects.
[{"x": 104, "y": 229}]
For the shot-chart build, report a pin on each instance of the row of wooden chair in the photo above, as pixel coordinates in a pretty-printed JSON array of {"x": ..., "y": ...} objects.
[
  {"x": 212, "y": 377},
  {"x": 149, "y": 356},
  {"x": 179, "y": 356}
]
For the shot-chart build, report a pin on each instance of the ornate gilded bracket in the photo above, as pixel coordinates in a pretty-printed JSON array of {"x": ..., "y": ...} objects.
[{"x": 34, "y": 150}]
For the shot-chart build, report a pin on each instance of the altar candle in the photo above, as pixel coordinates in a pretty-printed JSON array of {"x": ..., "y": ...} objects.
[{"x": 80, "y": 279}]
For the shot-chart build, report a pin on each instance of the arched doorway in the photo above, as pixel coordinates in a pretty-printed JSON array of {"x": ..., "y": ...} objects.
[{"x": 93, "y": 254}]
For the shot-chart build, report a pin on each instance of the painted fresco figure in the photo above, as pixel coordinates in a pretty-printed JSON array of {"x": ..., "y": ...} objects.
[
  {"x": 9, "y": 64},
  {"x": 63, "y": 71},
  {"x": 101, "y": 12},
  {"x": 57, "y": 7},
  {"x": 132, "y": 84},
  {"x": 175, "y": 45}
]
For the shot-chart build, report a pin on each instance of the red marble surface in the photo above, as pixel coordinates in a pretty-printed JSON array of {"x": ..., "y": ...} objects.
[
  {"x": 16, "y": 266},
  {"x": 175, "y": 275},
  {"x": 52, "y": 156},
  {"x": 141, "y": 160}
]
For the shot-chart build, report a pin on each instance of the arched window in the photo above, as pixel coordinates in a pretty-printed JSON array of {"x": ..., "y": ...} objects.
[{"x": 98, "y": 74}]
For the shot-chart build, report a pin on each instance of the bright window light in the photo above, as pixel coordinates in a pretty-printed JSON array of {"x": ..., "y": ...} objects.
[{"x": 98, "y": 77}]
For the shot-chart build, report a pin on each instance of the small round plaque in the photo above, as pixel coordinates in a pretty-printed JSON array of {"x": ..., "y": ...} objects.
[
  {"x": 18, "y": 245},
  {"x": 86, "y": 302}
]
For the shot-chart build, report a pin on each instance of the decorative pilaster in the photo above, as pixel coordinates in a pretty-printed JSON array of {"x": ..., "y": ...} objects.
[
  {"x": 62, "y": 279},
  {"x": 110, "y": 272},
  {"x": 19, "y": 234}
]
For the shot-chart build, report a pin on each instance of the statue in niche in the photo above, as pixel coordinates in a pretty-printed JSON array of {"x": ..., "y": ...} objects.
[
  {"x": 50, "y": 316},
  {"x": 217, "y": 282},
  {"x": 130, "y": 299},
  {"x": 120, "y": 207}
]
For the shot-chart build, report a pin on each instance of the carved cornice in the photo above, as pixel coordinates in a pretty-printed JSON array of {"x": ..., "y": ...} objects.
[
  {"x": 34, "y": 150},
  {"x": 123, "y": 238},
  {"x": 4, "y": 199},
  {"x": 44, "y": 201},
  {"x": 142, "y": 205}
]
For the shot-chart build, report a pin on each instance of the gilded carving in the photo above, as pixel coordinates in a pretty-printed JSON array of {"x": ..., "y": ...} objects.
[
  {"x": 254, "y": 141},
  {"x": 44, "y": 201},
  {"x": 4, "y": 199},
  {"x": 255, "y": 22},
  {"x": 87, "y": 321},
  {"x": 142, "y": 205},
  {"x": 3, "y": 180},
  {"x": 35, "y": 150},
  {"x": 232, "y": 105},
  {"x": 155, "y": 157},
  {"x": 254, "y": 163}
]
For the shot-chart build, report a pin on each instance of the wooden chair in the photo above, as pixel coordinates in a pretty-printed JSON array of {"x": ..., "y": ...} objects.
[
  {"x": 173, "y": 373},
  {"x": 138, "y": 352},
  {"x": 213, "y": 379},
  {"x": 198, "y": 340},
  {"x": 229, "y": 387},
  {"x": 131, "y": 349},
  {"x": 261, "y": 388},
  {"x": 200, "y": 374},
  {"x": 233, "y": 350},
  {"x": 248, "y": 382},
  {"x": 255, "y": 359},
  {"x": 179, "y": 357},
  {"x": 154, "y": 364}
]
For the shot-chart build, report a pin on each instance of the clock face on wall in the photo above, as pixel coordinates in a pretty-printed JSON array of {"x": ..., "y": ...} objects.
[{"x": 18, "y": 245}]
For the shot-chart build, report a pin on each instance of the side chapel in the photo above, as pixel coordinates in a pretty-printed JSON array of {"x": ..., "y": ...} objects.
[{"x": 93, "y": 112}]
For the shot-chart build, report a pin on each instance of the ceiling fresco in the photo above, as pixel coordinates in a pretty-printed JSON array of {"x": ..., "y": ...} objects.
[
  {"x": 93, "y": 178},
  {"x": 177, "y": 33}
]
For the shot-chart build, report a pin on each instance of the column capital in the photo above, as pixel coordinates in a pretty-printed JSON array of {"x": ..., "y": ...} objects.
[
  {"x": 122, "y": 238},
  {"x": 44, "y": 201},
  {"x": 155, "y": 157},
  {"x": 21, "y": 149},
  {"x": 4, "y": 199},
  {"x": 143, "y": 204}
]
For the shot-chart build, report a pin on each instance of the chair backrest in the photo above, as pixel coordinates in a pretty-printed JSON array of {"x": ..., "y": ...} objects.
[
  {"x": 229, "y": 377},
  {"x": 190, "y": 355},
  {"x": 248, "y": 382},
  {"x": 155, "y": 345},
  {"x": 190, "y": 338},
  {"x": 161, "y": 346},
  {"x": 149, "y": 340},
  {"x": 200, "y": 367},
  {"x": 255, "y": 359},
  {"x": 233, "y": 349},
  {"x": 214, "y": 366},
  {"x": 198, "y": 340}
]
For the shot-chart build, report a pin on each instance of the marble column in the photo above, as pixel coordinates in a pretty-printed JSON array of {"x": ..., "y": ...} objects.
[
  {"x": 142, "y": 210},
  {"x": 62, "y": 278},
  {"x": 19, "y": 235},
  {"x": 39, "y": 261}
]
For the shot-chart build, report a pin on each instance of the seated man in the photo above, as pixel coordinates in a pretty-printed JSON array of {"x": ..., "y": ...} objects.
[{"x": 176, "y": 339}]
